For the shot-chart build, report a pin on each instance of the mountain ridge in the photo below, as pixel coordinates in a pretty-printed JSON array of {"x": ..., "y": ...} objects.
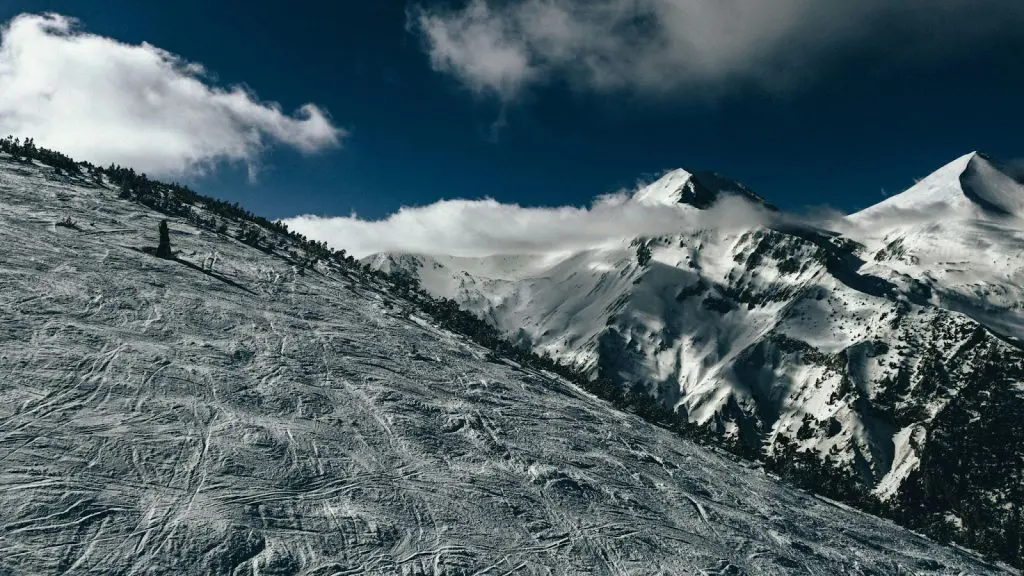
[
  {"x": 982, "y": 189},
  {"x": 851, "y": 347}
]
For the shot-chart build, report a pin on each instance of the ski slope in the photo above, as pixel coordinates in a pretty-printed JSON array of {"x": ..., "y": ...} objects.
[{"x": 258, "y": 419}]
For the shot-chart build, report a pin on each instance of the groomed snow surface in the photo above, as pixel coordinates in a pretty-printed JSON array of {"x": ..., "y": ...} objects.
[{"x": 160, "y": 420}]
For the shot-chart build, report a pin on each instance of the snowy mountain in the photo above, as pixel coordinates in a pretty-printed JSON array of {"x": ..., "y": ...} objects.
[
  {"x": 960, "y": 232},
  {"x": 244, "y": 410},
  {"x": 699, "y": 189},
  {"x": 878, "y": 360}
]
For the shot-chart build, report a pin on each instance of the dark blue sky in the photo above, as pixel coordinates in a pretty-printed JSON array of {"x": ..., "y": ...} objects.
[{"x": 859, "y": 124}]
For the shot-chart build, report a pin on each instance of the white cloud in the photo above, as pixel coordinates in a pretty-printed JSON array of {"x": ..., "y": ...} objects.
[
  {"x": 104, "y": 101},
  {"x": 501, "y": 47},
  {"x": 476, "y": 47},
  {"x": 485, "y": 227}
]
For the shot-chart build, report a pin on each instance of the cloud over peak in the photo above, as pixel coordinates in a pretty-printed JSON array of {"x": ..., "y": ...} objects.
[
  {"x": 486, "y": 227},
  {"x": 108, "y": 102},
  {"x": 501, "y": 47}
]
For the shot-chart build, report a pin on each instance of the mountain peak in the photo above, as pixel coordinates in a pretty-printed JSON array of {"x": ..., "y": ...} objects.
[
  {"x": 972, "y": 185},
  {"x": 698, "y": 189},
  {"x": 665, "y": 190}
]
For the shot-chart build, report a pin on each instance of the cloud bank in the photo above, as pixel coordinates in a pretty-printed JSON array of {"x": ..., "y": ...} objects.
[
  {"x": 477, "y": 228},
  {"x": 501, "y": 47},
  {"x": 100, "y": 100},
  {"x": 487, "y": 227}
]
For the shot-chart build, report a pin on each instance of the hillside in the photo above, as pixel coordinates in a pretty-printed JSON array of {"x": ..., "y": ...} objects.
[{"x": 875, "y": 363}]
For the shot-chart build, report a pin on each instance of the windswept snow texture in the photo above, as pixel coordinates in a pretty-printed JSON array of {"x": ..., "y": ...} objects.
[{"x": 254, "y": 420}]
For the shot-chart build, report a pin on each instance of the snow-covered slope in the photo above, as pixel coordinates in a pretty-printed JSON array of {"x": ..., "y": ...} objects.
[
  {"x": 257, "y": 419},
  {"x": 852, "y": 348},
  {"x": 959, "y": 232},
  {"x": 970, "y": 187}
]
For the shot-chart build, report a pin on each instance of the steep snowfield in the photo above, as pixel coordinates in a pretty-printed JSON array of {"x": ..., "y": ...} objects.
[
  {"x": 259, "y": 420},
  {"x": 854, "y": 348}
]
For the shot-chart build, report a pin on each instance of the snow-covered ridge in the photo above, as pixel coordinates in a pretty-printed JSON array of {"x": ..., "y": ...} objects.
[
  {"x": 969, "y": 187},
  {"x": 960, "y": 233},
  {"x": 856, "y": 349},
  {"x": 698, "y": 189},
  {"x": 666, "y": 190},
  {"x": 257, "y": 418}
]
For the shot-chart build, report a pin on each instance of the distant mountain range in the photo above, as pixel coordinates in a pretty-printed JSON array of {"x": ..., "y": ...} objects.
[{"x": 878, "y": 356}]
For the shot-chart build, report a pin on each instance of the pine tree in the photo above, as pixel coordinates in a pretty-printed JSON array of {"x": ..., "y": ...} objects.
[{"x": 164, "y": 249}]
